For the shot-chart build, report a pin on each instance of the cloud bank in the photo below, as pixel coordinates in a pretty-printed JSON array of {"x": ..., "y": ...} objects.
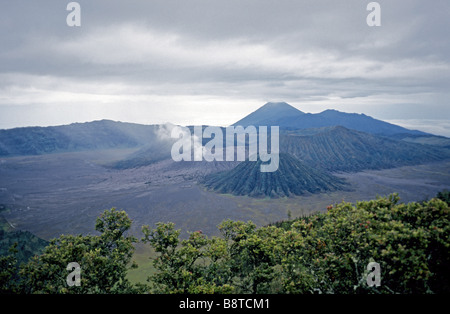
[{"x": 212, "y": 62}]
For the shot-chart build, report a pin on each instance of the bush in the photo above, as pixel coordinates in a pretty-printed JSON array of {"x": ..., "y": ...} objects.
[
  {"x": 104, "y": 260},
  {"x": 324, "y": 253}
]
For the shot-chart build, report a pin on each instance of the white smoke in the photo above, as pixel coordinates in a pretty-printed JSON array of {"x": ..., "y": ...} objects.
[{"x": 164, "y": 131}]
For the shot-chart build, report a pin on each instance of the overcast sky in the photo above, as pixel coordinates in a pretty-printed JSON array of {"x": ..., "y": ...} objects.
[{"x": 215, "y": 61}]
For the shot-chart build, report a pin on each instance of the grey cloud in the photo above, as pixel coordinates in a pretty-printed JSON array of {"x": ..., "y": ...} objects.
[{"x": 314, "y": 54}]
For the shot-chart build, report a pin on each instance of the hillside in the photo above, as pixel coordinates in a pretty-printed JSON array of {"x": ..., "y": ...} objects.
[
  {"x": 291, "y": 178},
  {"x": 74, "y": 137},
  {"x": 435, "y": 140},
  {"x": 341, "y": 149},
  {"x": 28, "y": 244},
  {"x": 329, "y": 140}
]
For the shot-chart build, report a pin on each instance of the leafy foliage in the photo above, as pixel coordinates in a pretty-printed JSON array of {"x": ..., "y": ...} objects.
[
  {"x": 8, "y": 272},
  {"x": 445, "y": 196},
  {"x": 104, "y": 260},
  {"x": 16, "y": 248},
  {"x": 25, "y": 242},
  {"x": 323, "y": 253}
]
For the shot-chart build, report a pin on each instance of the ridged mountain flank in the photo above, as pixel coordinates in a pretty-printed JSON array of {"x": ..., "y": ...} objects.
[
  {"x": 341, "y": 149},
  {"x": 292, "y": 178}
]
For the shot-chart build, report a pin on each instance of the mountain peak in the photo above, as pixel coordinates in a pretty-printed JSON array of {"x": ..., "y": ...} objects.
[
  {"x": 288, "y": 117},
  {"x": 279, "y": 106},
  {"x": 270, "y": 114}
]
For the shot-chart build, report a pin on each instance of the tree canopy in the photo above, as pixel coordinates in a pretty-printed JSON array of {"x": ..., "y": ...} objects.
[{"x": 324, "y": 253}]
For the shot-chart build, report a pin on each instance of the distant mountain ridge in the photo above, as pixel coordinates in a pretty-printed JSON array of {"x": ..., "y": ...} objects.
[
  {"x": 309, "y": 157},
  {"x": 93, "y": 135},
  {"x": 332, "y": 147},
  {"x": 340, "y": 149},
  {"x": 312, "y": 147},
  {"x": 288, "y": 117}
]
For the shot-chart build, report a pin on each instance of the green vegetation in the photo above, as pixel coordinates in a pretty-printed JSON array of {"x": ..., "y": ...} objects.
[
  {"x": 104, "y": 259},
  {"x": 25, "y": 244},
  {"x": 323, "y": 253},
  {"x": 445, "y": 196}
]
